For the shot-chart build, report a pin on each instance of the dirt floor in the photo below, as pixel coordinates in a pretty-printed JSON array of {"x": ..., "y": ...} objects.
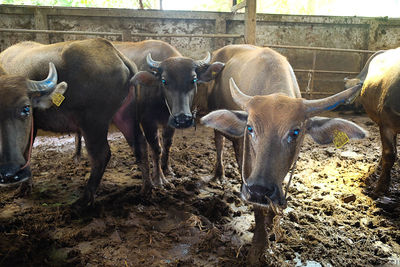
[{"x": 331, "y": 220}]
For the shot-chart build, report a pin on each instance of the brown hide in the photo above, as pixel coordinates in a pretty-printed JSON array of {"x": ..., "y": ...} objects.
[
  {"x": 137, "y": 51},
  {"x": 98, "y": 78},
  {"x": 14, "y": 129},
  {"x": 164, "y": 91},
  {"x": 2, "y": 71},
  {"x": 380, "y": 97},
  {"x": 256, "y": 70}
]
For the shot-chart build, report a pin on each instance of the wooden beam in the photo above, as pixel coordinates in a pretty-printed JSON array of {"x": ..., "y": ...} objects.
[
  {"x": 41, "y": 23},
  {"x": 250, "y": 22},
  {"x": 220, "y": 28},
  {"x": 241, "y": 5}
]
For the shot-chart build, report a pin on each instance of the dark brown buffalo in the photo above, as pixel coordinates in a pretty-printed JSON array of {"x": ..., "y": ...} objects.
[
  {"x": 18, "y": 96},
  {"x": 98, "y": 78},
  {"x": 164, "y": 91},
  {"x": 380, "y": 97},
  {"x": 272, "y": 126}
]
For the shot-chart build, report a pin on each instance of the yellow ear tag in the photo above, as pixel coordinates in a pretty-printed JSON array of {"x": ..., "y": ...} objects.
[
  {"x": 213, "y": 73},
  {"x": 57, "y": 99},
  {"x": 340, "y": 138}
]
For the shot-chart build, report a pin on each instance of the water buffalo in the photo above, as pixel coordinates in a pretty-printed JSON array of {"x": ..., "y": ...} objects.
[
  {"x": 164, "y": 92},
  {"x": 98, "y": 78},
  {"x": 380, "y": 96},
  {"x": 266, "y": 79},
  {"x": 271, "y": 126},
  {"x": 18, "y": 96}
]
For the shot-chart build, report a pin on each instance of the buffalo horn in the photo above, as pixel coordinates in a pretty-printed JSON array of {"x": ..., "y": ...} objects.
[
  {"x": 313, "y": 107},
  {"x": 238, "y": 96},
  {"x": 204, "y": 61},
  {"x": 152, "y": 63},
  {"x": 47, "y": 85}
]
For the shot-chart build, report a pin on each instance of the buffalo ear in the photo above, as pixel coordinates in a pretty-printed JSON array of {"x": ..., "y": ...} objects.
[
  {"x": 145, "y": 78},
  {"x": 46, "y": 101},
  {"x": 323, "y": 130},
  {"x": 232, "y": 123},
  {"x": 208, "y": 72}
]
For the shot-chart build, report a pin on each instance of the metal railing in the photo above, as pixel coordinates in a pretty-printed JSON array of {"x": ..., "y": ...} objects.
[
  {"x": 311, "y": 72},
  {"x": 204, "y": 35},
  {"x": 126, "y": 35}
]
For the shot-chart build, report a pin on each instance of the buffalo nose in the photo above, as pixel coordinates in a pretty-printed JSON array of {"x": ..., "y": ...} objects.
[
  {"x": 8, "y": 170},
  {"x": 262, "y": 194},
  {"x": 12, "y": 174},
  {"x": 183, "y": 120}
]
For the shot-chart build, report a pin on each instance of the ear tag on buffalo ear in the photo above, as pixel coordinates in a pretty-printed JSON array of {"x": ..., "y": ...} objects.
[
  {"x": 340, "y": 138},
  {"x": 57, "y": 99},
  {"x": 213, "y": 73}
]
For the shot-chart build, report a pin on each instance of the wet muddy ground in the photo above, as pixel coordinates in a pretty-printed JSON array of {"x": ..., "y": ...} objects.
[{"x": 331, "y": 220}]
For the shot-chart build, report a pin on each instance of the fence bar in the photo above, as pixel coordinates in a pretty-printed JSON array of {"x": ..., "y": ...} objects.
[
  {"x": 120, "y": 33},
  {"x": 188, "y": 35},
  {"x": 321, "y": 48},
  {"x": 326, "y": 71},
  {"x": 61, "y": 32}
]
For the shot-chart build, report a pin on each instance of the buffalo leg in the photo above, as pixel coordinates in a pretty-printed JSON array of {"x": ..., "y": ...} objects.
[
  {"x": 219, "y": 140},
  {"x": 78, "y": 147},
  {"x": 142, "y": 157},
  {"x": 264, "y": 219},
  {"x": 260, "y": 240},
  {"x": 168, "y": 134},
  {"x": 389, "y": 151},
  {"x": 99, "y": 155},
  {"x": 151, "y": 133},
  {"x": 238, "y": 147}
]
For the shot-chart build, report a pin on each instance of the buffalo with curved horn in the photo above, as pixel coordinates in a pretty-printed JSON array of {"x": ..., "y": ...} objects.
[
  {"x": 269, "y": 130},
  {"x": 380, "y": 98},
  {"x": 18, "y": 97},
  {"x": 165, "y": 90},
  {"x": 98, "y": 78}
]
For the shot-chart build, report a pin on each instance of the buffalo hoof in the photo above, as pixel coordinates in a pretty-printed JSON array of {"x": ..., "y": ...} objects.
[
  {"x": 84, "y": 202},
  {"x": 212, "y": 179},
  {"x": 77, "y": 158},
  {"x": 380, "y": 190},
  {"x": 219, "y": 175},
  {"x": 147, "y": 187},
  {"x": 255, "y": 256},
  {"x": 160, "y": 181},
  {"x": 168, "y": 171}
]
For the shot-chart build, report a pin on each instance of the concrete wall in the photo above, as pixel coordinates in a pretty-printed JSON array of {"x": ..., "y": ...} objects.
[{"x": 317, "y": 31}]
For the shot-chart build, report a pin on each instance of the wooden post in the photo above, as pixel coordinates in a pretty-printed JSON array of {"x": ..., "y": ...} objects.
[
  {"x": 220, "y": 27},
  {"x": 41, "y": 23},
  {"x": 250, "y": 22}
]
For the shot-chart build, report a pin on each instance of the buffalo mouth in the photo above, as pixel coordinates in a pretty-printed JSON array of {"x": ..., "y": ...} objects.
[
  {"x": 181, "y": 121},
  {"x": 263, "y": 196},
  {"x": 19, "y": 177}
]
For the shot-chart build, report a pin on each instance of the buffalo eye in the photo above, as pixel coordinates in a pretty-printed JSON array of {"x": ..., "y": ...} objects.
[
  {"x": 25, "y": 111},
  {"x": 164, "y": 81},
  {"x": 293, "y": 135},
  {"x": 250, "y": 130}
]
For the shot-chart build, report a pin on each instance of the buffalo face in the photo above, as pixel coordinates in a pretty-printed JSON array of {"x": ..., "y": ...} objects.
[
  {"x": 273, "y": 127},
  {"x": 18, "y": 97},
  {"x": 177, "y": 78}
]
